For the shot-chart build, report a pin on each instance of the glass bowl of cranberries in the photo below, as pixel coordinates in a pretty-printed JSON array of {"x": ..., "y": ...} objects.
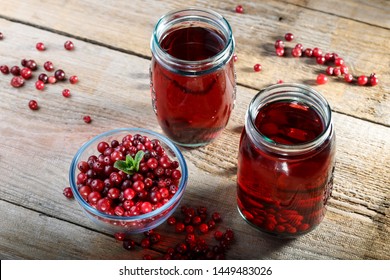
[{"x": 128, "y": 180}]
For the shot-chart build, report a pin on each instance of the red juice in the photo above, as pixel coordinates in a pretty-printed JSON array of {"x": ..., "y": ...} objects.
[
  {"x": 193, "y": 107},
  {"x": 281, "y": 192}
]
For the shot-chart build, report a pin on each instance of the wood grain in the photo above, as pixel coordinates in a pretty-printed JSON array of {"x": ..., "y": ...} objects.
[
  {"x": 37, "y": 148},
  {"x": 357, "y": 30}
]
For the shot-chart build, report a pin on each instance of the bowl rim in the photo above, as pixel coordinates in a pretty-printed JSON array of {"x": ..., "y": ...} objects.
[{"x": 135, "y": 130}]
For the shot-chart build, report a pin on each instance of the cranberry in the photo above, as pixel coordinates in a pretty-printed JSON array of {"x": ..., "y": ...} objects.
[
  {"x": 146, "y": 207},
  {"x": 4, "y": 69},
  {"x": 39, "y": 85},
  {"x": 52, "y": 80},
  {"x": 59, "y": 74},
  {"x": 374, "y": 80},
  {"x": 120, "y": 236},
  {"x": 296, "y": 52},
  {"x": 15, "y": 70},
  {"x": 26, "y": 73},
  {"x": 48, "y": 65},
  {"x": 308, "y": 52},
  {"x": 17, "y": 81},
  {"x": 336, "y": 71},
  {"x": 348, "y": 78},
  {"x": 69, "y": 45},
  {"x": 279, "y": 44},
  {"x": 235, "y": 57},
  {"x": 129, "y": 244},
  {"x": 339, "y": 61},
  {"x": 320, "y": 59},
  {"x": 40, "y": 46},
  {"x": 329, "y": 70},
  {"x": 43, "y": 77},
  {"x": 289, "y": 37},
  {"x": 344, "y": 69},
  {"x": 66, "y": 93},
  {"x": 1, "y": 36},
  {"x": 257, "y": 67},
  {"x": 203, "y": 228},
  {"x": 171, "y": 220},
  {"x": 299, "y": 46},
  {"x": 239, "y": 9},
  {"x": 87, "y": 119},
  {"x": 362, "y": 80},
  {"x": 31, "y": 64},
  {"x": 321, "y": 79},
  {"x": 68, "y": 192},
  {"x": 317, "y": 52},
  {"x": 279, "y": 51},
  {"x": 73, "y": 79}
]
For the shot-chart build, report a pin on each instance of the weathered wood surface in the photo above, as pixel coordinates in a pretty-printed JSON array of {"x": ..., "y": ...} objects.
[{"x": 111, "y": 59}]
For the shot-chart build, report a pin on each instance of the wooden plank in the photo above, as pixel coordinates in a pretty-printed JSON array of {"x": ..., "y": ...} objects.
[
  {"x": 128, "y": 26},
  {"x": 37, "y": 147}
]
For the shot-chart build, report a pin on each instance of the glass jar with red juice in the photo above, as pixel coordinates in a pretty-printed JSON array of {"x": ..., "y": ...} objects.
[
  {"x": 192, "y": 75},
  {"x": 286, "y": 160}
]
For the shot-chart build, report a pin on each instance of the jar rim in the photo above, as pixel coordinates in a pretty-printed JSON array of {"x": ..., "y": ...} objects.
[
  {"x": 280, "y": 92},
  {"x": 192, "y": 67}
]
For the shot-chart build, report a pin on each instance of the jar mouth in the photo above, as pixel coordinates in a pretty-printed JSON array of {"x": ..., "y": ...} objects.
[
  {"x": 189, "y": 16},
  {"x": 289, "y": 92}
]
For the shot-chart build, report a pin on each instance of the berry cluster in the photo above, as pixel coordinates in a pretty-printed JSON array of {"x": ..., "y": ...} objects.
[
  {"x": 111, "y": 186},
  {"x": 336, "y": 65},
  {"x": 196, "y": 226}
]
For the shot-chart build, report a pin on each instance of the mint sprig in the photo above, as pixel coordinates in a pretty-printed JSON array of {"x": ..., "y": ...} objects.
[{"x": 130, "y": 165}]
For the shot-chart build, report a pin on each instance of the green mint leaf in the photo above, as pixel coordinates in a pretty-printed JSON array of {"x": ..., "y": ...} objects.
[
  {"x": 121, "y": 165},
  {"x": 138, "y": 157},
  {"x": 130, "y": 160}
]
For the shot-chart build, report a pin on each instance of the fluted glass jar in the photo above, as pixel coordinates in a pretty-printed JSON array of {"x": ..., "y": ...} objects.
[
  {"x": 286, "y": 160},
  {"x": 193, "y": 83}
]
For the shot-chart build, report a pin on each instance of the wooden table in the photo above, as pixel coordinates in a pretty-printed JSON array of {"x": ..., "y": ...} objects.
[{"x": 111, "y": 58}]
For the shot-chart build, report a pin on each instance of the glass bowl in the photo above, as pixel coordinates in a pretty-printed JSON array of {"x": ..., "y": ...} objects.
[{"x": 128, "y": 224}]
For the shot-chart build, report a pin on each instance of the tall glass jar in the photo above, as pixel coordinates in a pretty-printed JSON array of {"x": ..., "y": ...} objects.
[
  {"x": 286, "y": 160},
  {"x": 193, "y": 84}
]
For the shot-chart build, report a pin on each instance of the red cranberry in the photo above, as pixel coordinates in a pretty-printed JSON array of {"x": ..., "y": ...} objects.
[
  {"x": 17, "y": 81},
  {"x": 48, "y": 65},
  {"x": 40, "y": 46},
  {"x": 59, "y": 74},
  {"x": 299, "y": 46},
  {"x": 329, "y": 70},
  {"x": 68, "y": 192},
  {"x": 321, "y": 79},
  {"x": 239, "y": 9},
  {"x": 66, "y": 93},
  {"x": 344, "y": 69},
  {"x": 87, "y": 119},
  {"x": 15, "y": 70},
  {"x": 296, "y": 52},
  {"x": 289, "y": 37},
  {"x": 171, "y": 220},
  {"x": 317, "y": 52},
  {"x": 279, "y": 51},
  {"x": 203, "y": 228},
  {"x": 308, "y": 52},
  {"x": 279, "y": 44},
  {"x": 69, "y": 45},
  {"x": 235, "y": 57},
  {"x": 26, "y": 73},
  {"x": 31, "y": 64},
  {"x": 52, "y": 80},
  {"x": 146, "y": 207},
  {"x": 129, "y": 244},
  {"x": 374, "y": 80},
  {"x": 4, "y": 69},
  {"x": 339, "y": 61},
  {"x": 39, "y": 85},
  {"x": 120, "y": 236},
  {"x": 320, "y": 59},
  {"x": 362, "y": 80},
  {"x": 73, "y": 79},
  {"x": 43, "y": 77},
  {"x": 336, "y": 71},
  {"x": 1, "y": 36},
  {"x": 348, "y": 78},
  {"x": 257, "y": 67}
]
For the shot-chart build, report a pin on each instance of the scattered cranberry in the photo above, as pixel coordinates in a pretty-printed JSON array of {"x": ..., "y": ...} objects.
[
  {"x": 43, "y": 77},
  {"x": 344, "y": 69},
  {"x": 308, "y": 52},
  {"x": 279, "y": 81},
  {"x": 15, "y": 70},
  {"x": 320, "y": 59},
  {"x": 66, "y": 93},
  {"x": 348, "y": 78},
  {"x": 69, "y": 45},
  {"x": 120, "y": 236},
  {"x": 339, "y": 61},
  {"x": 336, "y": 71},
  {"x": 317, "y": 52},
  {"x": 329, "y": 70},
  {"x": 48, "y": 65},
  {"x": 52, "y": 80},
  {"x": 33, "y": 105},
  {"x": 87, "y": 119},
  {"x": 239, "y": 9},
  {"x": 17, "y": 81},
  {"x": 257, "y": 67},
  {"x": 362, "y": 80},
  {"x": 322, "y": 79},
  {"x": 68, "y": 192},
  {"x": 129, "y": 244},
  {"x": 289, "y": 37},
  {"x": 374, "y": 80},
  {"x": 279, "y": 44},
  {"x": 39, "y": 85},
  {"x": 4, "y": 69},
  {"x": 279, "y": 51},
  {"x": 296, "y": 52},
  {"x": 26, "y": 73},
  {"x": 235, "y": 57},
  {"x": 1, "y": 36},
  {"x": 31, "y": 64},
  {"x": 59, "y": 74},
  {"x": 40, "y": 46},
  {"x": 73, "y": 79}
]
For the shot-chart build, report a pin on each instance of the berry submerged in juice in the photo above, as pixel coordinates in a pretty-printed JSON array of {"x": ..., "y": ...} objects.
[
  {"x": 193, "y": 107},
  {"x": 280, "y": 193}
]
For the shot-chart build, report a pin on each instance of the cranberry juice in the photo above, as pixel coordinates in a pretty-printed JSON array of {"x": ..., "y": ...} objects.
[
  {"x": 285, "y": 194},
  {"x": 193, "y": 108}
]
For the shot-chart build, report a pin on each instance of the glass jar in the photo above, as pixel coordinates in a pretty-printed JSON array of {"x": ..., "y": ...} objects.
[
  {"x": 193, "y": 84},
  {"x": 286, "y": 160}
]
